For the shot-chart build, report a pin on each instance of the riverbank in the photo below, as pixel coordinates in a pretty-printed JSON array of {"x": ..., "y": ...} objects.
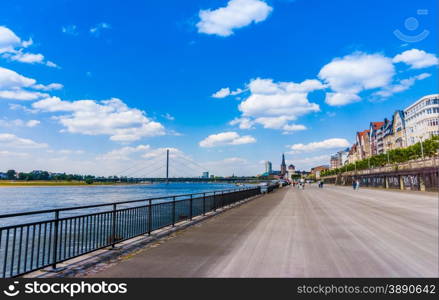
[{"x": 14, "y": 183}]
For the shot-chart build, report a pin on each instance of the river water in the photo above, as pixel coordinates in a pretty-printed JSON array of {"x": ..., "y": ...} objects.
[{"x": 23, "y": 199}]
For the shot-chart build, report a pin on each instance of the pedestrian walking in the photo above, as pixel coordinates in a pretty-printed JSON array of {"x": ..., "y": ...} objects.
[
  {"x": 357, "y": 183},
  {"x": 354, "y": 184}
]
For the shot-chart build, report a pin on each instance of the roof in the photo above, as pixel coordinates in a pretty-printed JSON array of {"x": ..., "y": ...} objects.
[
  {"x": 377, "y": 125},
  {"x": 320, "y": 167},
  {"x": 361, "y": 133}
]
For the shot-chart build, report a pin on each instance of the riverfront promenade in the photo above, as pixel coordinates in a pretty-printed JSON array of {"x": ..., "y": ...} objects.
[{"x": 330, "y": 232}]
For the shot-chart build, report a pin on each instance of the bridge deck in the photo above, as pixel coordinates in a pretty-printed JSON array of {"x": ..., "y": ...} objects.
[{"x": 330, "y": 232}]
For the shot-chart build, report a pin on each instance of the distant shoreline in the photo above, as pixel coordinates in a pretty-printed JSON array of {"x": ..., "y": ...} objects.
[{"x": 34, "y": 183}]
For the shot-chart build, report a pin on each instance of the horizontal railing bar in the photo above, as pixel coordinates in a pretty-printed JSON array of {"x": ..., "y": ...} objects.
[
  {"x": 108, "y": 204},
  {"x": 102, "y": 212},
  {"x": 90, "y": 234}
]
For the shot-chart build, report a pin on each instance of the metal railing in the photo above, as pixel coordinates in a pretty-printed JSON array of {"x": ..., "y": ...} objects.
[{"x": 29, "y": 246}]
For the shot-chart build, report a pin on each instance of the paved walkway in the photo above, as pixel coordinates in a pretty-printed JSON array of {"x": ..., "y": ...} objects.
[{"x": 330, "y": 232}]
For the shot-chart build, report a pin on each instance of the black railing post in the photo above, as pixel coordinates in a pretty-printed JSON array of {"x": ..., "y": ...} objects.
[
  {"x": 214, "y": 201},
  {"x": 204, "y": 204},
  {"x": 55, "y": 239},
  {"x": 173, "y": 211},
  {"x": 150, "y": 217},
  {"x": 113, "y": 228},
  {"x": 190, "y": 207}
]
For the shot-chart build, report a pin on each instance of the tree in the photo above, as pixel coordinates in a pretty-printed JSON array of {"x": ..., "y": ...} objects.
[{"x": 11, "y": 174}]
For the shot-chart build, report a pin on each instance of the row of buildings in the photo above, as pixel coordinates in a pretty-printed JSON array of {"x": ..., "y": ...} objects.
[
  {"x": 284, "y": 173},
  {"x": 415, "y": 123}
]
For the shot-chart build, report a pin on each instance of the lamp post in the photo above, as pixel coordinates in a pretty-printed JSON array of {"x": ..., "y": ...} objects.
[
  {"x": 422, "y": 147},
  {"x": 388, "y": 158}
]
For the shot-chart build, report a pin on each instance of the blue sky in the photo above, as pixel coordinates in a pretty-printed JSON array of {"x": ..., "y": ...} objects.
[{"x": 299, "y": 77}]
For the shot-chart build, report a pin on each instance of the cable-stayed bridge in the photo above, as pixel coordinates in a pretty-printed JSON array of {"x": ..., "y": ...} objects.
[{"x": 172, "y": 166}]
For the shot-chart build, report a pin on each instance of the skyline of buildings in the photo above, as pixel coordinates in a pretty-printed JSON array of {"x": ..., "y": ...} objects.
[{"x": 417, "y": 122}]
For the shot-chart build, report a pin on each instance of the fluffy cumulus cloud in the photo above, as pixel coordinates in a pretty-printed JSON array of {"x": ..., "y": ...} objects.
[
  {"x": 352, "y": 74},
  {"x": 110, "y": 117},
  {"x": 226, "y": 138},
  {"x": 14, "y": 86},
  {"x": 237, "y": 14},
  {"x": 274, "y": 104},
  {"x": 416, "y": 59},
  {"x": 325, "y": 144},
  {"x": 8, "y": 140},
  {"x": 13, "y": 47}
]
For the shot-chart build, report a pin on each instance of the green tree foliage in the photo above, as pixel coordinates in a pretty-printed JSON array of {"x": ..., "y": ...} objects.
[
  {"x": 430, "y": 148},
  {"x": 11, "y": 174}
]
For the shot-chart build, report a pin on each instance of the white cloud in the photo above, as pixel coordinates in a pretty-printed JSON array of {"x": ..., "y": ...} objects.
[
  {"x": 237, "y": 14},
  {"x": 226, "y": 138},
  {"x": 244, "y": 123},
  {"x": 14, "y": 86},
  {"x": 109, "y": 117},
  {"x": 96, "y": 30},
  {"x": 12, "y": 141},
  {"x": 70, "y": 29},
  {"x": 12, "y": 154},
  {"x": 29, "y": 58},
  {"x": 401, "y": 86},
  {"x": 8, "y": 40},
  {"x": 32, "y": 123},
  {"x": 294, "y": 127},
  {"x": 13, "y": 106},
  {"x": 52, "y": 64},
  {"x": 124, "y": 153},
  {"x": 225, "y": 92},
  {"x": 18, "y": 123},
  {"x": 12, "y": 47},
  {"x": 168, "y": 116},
  {"x": 66, "y": 151},
  {"x": 49, "y": 87},
  {"x": 12, "y": 80},
  {"x": 355, "y": 73},
  {"x": 416, "y": 58},
  {"x": 274, "y": 104},
  {"x": 325, "y": 144}
]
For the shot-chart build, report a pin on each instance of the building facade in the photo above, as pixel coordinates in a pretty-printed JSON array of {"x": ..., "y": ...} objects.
[
  {"x": 422, "y": 119},
  {"x": 395, "y": 132},
  {"x": 268, "y": 167},
  {"x": 363, "y": 144},
  {"x": 317, "y": 170},
  {"x": 376, "y": 142},
  {"x": 291, "y": 171}
]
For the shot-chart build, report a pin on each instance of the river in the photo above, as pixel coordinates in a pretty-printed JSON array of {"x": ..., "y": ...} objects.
[{"x": 23, "y": 199}]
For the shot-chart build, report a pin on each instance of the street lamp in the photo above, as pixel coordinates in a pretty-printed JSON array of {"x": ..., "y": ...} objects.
[{"x": 422, "y": 147}]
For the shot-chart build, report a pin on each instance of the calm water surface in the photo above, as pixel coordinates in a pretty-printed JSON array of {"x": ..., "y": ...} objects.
[{"x": 22, "y": 199}]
